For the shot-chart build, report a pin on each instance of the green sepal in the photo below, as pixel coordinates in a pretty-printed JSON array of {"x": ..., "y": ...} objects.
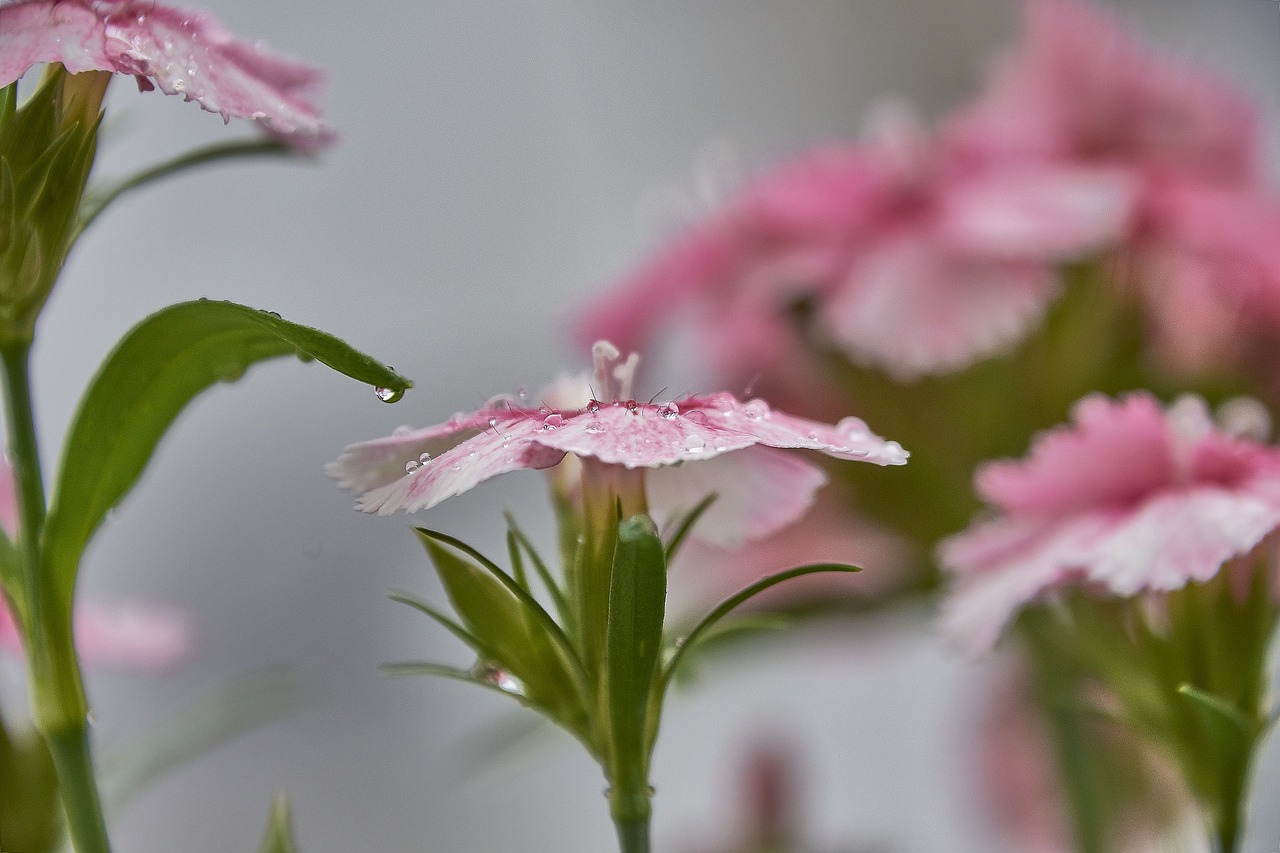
[
  {"x": 278, "y": 837},
  {"x": 153, "y": 373},
  {"x": 724, "y": 608},
  {"x": 8, "y": 103},
  {"x": 521, "y": 639},
  {"x": 633, "y": 648},
  {"x": 1218, "y": 707}
]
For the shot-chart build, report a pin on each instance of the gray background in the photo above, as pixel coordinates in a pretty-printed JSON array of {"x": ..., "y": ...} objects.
[{"x": 498, "y": 164}]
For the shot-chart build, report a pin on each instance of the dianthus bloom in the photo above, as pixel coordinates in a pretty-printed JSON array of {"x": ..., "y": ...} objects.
[
  {"x": 181, "y": 53},
  {"x": 1201, "y": 247},
  {"x": 1129, "y": 498},
  {"x": 917, "y": 257},
  {"x": 615, "y": 436}
]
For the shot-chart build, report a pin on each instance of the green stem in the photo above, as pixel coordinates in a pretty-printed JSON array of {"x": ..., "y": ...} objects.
[
  {"x": 633, "y": 835},
  {"x": 74, "y": 764},
  {"x": 57, "y": 693},
  {"x": 1057, "y": 687}
]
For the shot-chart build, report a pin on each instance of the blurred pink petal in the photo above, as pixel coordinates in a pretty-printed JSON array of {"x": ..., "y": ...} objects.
[
  {"x": 921, "y": 256},
  {"x": 621, "y": 432},
  {"x": 705, "y": 573},
  {"x": 182, "y": 53},
  {"x": 1080, "y": 87},
  {"x": 1129, "y": 497},
  {"x": 124, "y": 636},
  {"x": 913, "y": 308}
]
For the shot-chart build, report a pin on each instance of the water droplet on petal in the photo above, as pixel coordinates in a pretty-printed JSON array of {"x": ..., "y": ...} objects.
[
  {"x": 669, "y": 411},
  {"x": 493, "y": 422},
  {"x": 593, "y": 406},
  {"x": 632, "y": 406},
  {"x": 853, "y": 426},
  {"x": 694, "y": 443},
  {"x": 594, "y": 427},
  {"x": 756, "y": 410},
  {"x": 388, "y": 395},
  {"x": 424, "y": 458},
  {"x": 553, "y": 421},
  {"x": 544, "y": 410}
]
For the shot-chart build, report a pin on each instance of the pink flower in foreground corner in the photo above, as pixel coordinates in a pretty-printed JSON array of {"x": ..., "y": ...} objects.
[
  {"x": 181, "y": 53},
  {"x": 615, "y": 431},
  {"x": 1130, "y": 497}
]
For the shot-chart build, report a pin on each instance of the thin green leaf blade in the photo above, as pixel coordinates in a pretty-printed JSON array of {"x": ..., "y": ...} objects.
[
  {"x": 278, "y": 837},
  {"x": 512, "y": 627},
  {"x": 155, "y": 371},
  {"x": 734, "y": 601}
]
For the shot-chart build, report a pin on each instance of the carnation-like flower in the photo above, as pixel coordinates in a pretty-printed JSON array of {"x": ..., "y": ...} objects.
[
  {"x": 1201, "y": 247},
  {"x": 417, "y": 469},
  {"x": 179, "y": 52},
  {"x": 918, "y": 257},
  {"x": 1129, "y": 498}
]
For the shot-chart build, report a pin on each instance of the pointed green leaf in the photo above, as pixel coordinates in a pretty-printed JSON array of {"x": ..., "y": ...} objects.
[
  {"x": 685, "y": 524},
  {"x": 1218, "y": 707},
  {"x": 159, "y": 366},
  {"x": 731, "y": 603},
  {"x": 524, "y": 641},
  {"x": 100, "y": 198},
  {"x": 539, "y": 566},
  {"x": 279, "y": 835},
  {"x": 637, "y": 599}
]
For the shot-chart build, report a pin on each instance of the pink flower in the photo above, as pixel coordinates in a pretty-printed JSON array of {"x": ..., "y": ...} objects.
[
  {"x": 127, "y": 636},
  {"x": 919, "y": 257},
  {"x": 182, "y": 53},
  {"x": 1129, "y": 498},
  {"x": 1081, "y": 88},
  {"x": 418, "y": 469},
  {"x": 1201, "y": 250}
]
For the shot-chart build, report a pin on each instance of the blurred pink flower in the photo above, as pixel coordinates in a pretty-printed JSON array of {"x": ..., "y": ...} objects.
[
  {"x": 127, "y": 635},
  {"x": 182, "y": 53},
  {"x": 920, "y": 257},
  {"x": 1129, "y": 497},
  {"x": 1203, "y": 249},
  {"x": 617, "y": 431}
]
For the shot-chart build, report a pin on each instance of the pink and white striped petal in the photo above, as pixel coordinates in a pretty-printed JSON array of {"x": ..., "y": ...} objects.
[{"x": 181, "y": 53}]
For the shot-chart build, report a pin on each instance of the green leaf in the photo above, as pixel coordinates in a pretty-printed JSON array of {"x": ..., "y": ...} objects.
[
  {"x": 153, "y": 373},
  {"x": 279, "y": 835},
  {"x": 637, "y": 599},
  {"x": 539, "y": 566},
  {"x": 731, "y": 603},
  {"x": 100, "y": 198},
  {"x": 686, "y": 524},
  {"x": 482, "y": 649},
  {"x": 227, "y": 711},
  {"x": 1218, "y": 707},
  {"x": 8, "y": 103},
  {"x": 523, "y": 640}
]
